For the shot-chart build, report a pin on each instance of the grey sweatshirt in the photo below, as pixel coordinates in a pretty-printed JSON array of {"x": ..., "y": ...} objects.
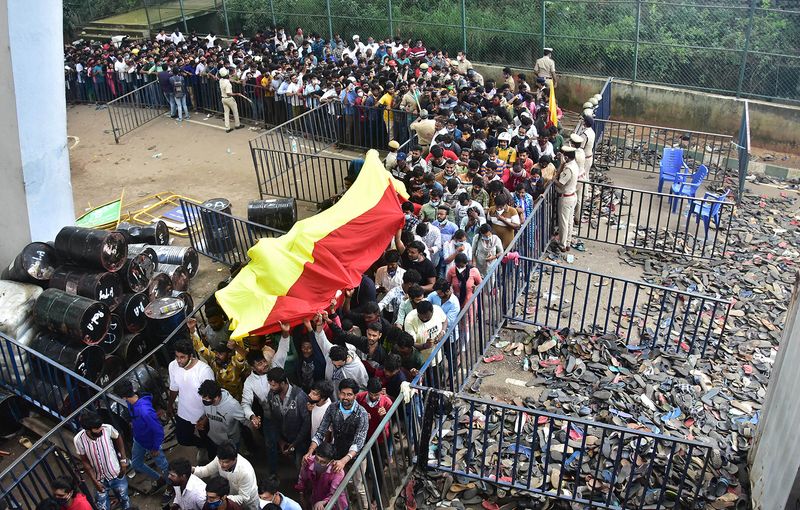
[{"x": 224, "y": 419}]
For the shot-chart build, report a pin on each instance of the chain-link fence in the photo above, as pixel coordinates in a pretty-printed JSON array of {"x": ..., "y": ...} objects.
[{"x": 750, "y": 48}]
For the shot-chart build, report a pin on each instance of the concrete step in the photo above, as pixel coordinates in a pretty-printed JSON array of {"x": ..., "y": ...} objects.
[{"x": 117, "y": 26}]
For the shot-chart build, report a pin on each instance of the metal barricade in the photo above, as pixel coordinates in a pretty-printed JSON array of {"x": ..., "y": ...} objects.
[
  {"x": 309, "y": 132},
  {"x": 371, "y": 127},
  {"x": 640, "y": 146},
  {"x": 136, "y": 108},
  {"x": 644, "y": 315},
  {"x": 26, "y": 480},
  {"x": 221, "y": 236},
  {"x": 576, "y": 460},
  {"x": 659, "y": 222},
  {"x": 743, "y": 149},
  {"x": 311, "y": 178}
]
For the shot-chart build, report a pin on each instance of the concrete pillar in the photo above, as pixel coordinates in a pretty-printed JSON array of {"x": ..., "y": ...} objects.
[
  {"x": 35, "y": 190},
  {"x": 775, "y": 456}
]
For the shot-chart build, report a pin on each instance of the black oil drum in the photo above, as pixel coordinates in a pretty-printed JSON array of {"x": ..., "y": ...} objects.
[
  {"x": 219, "y": 231},
  {"x": 131, "y": 311},
  {"x": 100, "y": 286},
  {"x": 160, "y": 286},
  {"x": 164, "y": 316},
  {"x": 79, "y": 318},
  {"x": 132, "y": 348},
  {"x": 137, "y": 271},
  {"x": 36, "y": 263},
  {"x": 156, "y": 233},
  {"x": 12, "y": 410},
  {"x": 116, "y": 329},
  {"x": 113, "y": 366},
  {"x": 186, "y": 298},
  {"x": 278, "y": 213},
  {"x": 135, "y": 249},
  {"x": 178, "y": 274},
  {"x": 84, "y": 360},
  {"x": 185, "y": 256},
  {"x": 90, "y": 247}
]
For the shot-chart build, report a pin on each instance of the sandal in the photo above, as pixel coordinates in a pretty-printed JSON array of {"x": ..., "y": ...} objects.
[{"x": 492, "y": 359}]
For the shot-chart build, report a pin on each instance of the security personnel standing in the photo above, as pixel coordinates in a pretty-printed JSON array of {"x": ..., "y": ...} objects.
[
  {"x": 588, "y": 146},
  {"x": 578, "y": 142},
  {"x": 228, "y": 102},
  {"x": 566, "y": 181},
  {"x": 545, "y": 67}
]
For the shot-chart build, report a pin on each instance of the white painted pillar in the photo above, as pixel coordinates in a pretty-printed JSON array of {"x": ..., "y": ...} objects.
[{"x": 35, "y": 190}]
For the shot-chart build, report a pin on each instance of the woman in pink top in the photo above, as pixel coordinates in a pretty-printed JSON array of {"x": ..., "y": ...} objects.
[{"x": 463, "y": 278}]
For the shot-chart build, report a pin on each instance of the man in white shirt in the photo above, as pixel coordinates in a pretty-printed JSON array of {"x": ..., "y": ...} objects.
[
  {"x": 177, "y": 37},
  {"x": 186, "y": 374},
  {"x": 391, "y": 275},
  {"x": 457, "y": 244},
  {"x": 427, "y": 323},
  {"x": 238, "y": 471},
  {"x": 190, "y": 491},
  {"x": 319, "y": 399},
  {"x": 211, "y": 40},
  {"x": 161, "y": 36}
]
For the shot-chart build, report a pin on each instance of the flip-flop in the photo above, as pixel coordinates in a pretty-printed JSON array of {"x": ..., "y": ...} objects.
[{"x": 492, "y": 359}]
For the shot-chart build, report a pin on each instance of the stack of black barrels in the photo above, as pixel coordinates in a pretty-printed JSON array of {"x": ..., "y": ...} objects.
[{"x": 96, "y": 311}]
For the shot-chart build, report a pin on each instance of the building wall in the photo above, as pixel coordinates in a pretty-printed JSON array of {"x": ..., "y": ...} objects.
[
  {"x": 14, "y": 219},
  {"x": 772, "y": 126},
  {"x": 775, "y": 457},
  {"x": 36, "y": 66}
]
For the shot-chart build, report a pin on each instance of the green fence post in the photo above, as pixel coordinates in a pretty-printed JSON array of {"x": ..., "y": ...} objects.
[
  {"x": 272, "y": 10},
  {"x": 330, "y": 20},
  {"x": 746, "y": 48},
  {"x": 183, "y": 17},
  {"x": 542, "y": 27},
  {"x": 146, "y": 15},
  {"x": 391, "y": 23},
  {"x": 225, "y": 15},
  {"x": 636, "y": 48},
  {"x": 464, "y": 25}
]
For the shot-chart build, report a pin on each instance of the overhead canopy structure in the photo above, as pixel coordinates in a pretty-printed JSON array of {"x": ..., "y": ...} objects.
[{"x": 296, "y": 275}]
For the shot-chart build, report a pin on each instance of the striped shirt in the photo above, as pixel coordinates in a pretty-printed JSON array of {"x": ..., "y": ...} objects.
[{"x": 101, "y": 452}]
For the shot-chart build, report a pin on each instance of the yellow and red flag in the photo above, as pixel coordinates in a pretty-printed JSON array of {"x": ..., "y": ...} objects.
[
  {"x": 552, "y": 105},
  {"x": 296, "y": 275}
]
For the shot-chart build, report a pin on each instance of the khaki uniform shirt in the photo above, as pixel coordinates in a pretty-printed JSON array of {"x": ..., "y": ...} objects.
[
  {"x": 567, "y": 181},
  {"x": 545, "y": 67},
  {"x": 225, "y": 87}
]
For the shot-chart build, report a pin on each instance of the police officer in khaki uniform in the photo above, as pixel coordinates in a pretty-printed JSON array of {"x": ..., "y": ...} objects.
[
  {"x": 228, "y": 102},
  {"x": 566, "y": 182},
  {"x": 578, "y": 142},
  {"x": 545, "y": 67},
  {"x": 588, "y": 146}
]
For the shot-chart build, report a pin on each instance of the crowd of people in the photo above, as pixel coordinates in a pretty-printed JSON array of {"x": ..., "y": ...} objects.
[{"x": 480, "y": 154}]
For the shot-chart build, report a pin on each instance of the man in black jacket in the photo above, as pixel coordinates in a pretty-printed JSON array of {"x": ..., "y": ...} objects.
[{"x": 287, "y": 414}]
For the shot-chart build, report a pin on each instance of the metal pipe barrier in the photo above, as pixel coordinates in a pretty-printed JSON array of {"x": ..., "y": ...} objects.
[
  {"x": 311, "y": 178},
  {"x": 602, "y": 111},
  {"x": 644, "y": 315},
  {"x": 306, "y": 131},
  {"x": 640, "y": 146},
  {"x": 659, "y": 222},
  {"x": 27, "y": 479},
  {"x": 371, "y": 127},
  {"x": 743, "y": 149},
  {"x": 572, "y": 459},
  {"x": 135, "y": 109},
  {"x": 44, "y": 383},
  {"x": 221, "y": 236}
]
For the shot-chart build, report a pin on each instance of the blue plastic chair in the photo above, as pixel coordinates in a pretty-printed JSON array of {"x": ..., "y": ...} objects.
[
  {"x": 709, "y": 209},
  {"x": 682, "y": 188},
  {"x": 670, "y": 165}
]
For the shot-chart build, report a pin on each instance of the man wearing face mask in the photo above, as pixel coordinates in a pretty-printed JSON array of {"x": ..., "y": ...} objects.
[
  {"x": 391, "y": 275},
  {"x": 222, "y": 417},
  {"x": 238, "y": 472},
  {"x": 190, "y": 491},
  {"x": 342, "y": 361},
  {"x": 269, "y": 493},
  {"x": 67, "y": 495},
  {"x": 102, "y": 452},
  {"x": 349, "y": 423},
  {"x": 504, "y": 220},
  {"x": 217, "y": 491},
  {"x": 318, "y": 480}
]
